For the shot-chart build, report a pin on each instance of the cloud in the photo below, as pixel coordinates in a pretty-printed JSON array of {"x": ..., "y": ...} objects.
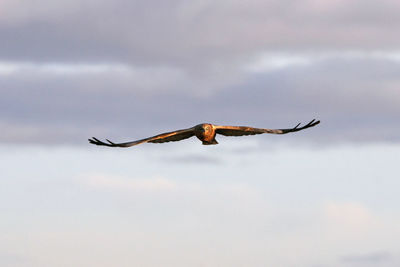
[
  {"x": 353, "y": 217},
  {"x": 356, "y": 98},
  {"x": 268, "y": 61},
  {"x": 191, "y": 34},
  {"x": 100, "y": 69},
  {"x": 171, "y": 192},
  {"x": 19, "y": 68},
  {"x": 128, "y": 184}
]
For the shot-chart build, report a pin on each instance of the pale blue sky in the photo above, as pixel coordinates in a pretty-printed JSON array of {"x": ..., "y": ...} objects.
[
  {"x": 288, "y": 206},
  {"x": 124, "y": 70}
]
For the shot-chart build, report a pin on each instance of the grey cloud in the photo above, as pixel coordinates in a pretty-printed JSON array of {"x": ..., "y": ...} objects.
[
  {"x": 188, "y": 57},
  {"x": 185, "y": 64},
  {"x": 192, "y": 34},
  {"x": 357, "y": 100}
]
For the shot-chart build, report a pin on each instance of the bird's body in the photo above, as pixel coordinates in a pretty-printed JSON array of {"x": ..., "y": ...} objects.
[{"x": 205, "y": 132}]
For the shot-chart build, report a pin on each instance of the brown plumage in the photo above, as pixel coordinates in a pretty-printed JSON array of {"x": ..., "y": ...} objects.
[{"x": 205, "y": 132}]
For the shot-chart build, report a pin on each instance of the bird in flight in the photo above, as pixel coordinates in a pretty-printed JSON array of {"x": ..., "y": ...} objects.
[{"x": 206, "y": 132}]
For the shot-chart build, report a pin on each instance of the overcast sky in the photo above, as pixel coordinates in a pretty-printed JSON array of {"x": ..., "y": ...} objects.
[
  {"x": 73, "y": 68},
  {"x": 125, "y": 70}
]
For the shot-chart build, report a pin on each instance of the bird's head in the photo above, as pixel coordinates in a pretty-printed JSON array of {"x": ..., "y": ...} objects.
[{"x": 204, "y": 127}]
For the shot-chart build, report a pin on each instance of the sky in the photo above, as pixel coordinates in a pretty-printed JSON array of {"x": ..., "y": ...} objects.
[{"x": 125, "y": 70}]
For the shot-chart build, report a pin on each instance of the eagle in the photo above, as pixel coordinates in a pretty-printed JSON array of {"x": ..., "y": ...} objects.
[{"x": 206, "y": 132}]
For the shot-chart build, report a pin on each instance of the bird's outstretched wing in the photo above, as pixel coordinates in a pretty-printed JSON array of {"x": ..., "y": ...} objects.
[
  {"x": 244, "y": 130},
  {"x": 161, "y": 138}
]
